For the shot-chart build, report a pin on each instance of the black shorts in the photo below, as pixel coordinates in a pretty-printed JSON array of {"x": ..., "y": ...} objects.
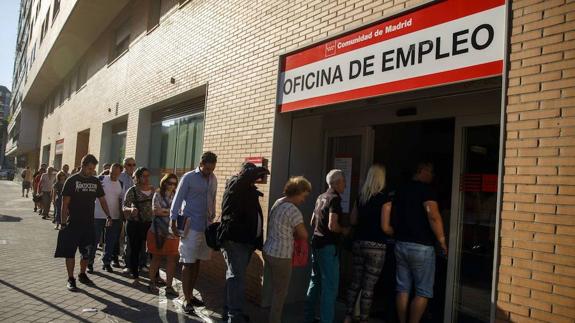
[
  {"x": 74, "y": 237},
  {"x": 25, "y": 185}
]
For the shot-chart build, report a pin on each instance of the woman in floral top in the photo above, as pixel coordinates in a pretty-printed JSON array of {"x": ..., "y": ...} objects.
[
  {"x": 138, "y": 211},
  {"x": 161, "y": 242}
]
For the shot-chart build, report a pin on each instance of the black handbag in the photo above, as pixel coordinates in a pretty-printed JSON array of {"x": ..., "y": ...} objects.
[{"x": 213, "y": 236}]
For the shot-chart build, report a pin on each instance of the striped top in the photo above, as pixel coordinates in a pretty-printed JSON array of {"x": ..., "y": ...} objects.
[{"x": 284, "y": 217}]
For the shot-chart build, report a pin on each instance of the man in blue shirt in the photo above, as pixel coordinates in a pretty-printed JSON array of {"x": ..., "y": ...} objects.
[{"x": 195, "y": 203}]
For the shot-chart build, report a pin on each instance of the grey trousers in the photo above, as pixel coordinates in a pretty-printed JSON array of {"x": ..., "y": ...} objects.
[{"x": 280, "y": 273}]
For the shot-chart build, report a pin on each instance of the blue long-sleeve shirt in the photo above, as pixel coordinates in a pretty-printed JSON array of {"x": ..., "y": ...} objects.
[{"x": 197, "y": 194}]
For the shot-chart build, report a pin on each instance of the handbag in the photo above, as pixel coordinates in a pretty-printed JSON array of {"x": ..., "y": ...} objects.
[
  {"x": 300, "y": 253},
  {"x": 212, "y": 234}
]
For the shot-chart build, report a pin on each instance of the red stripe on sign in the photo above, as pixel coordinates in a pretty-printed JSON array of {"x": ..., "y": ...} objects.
[
  {"x": 441, "y": 78},
  {"x": 433, "y": 15}
]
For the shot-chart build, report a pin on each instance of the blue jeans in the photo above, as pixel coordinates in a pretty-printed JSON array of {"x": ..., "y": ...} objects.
[
  {"x": 415, "y": 266},
  {"x": 99, "y": 225},
  {"x": 323, "y": 285},
  {"x": 237, "y": 257},
  {"x": 112, "y": 236},
  {"x": 58, "y": 210}
]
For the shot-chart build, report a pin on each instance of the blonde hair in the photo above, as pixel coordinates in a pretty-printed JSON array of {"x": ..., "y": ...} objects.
[
  {"x": 374, "y": 183},
  {"x": 297, "y": 185}
]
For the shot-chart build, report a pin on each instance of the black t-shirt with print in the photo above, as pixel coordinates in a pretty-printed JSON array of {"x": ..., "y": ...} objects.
[
  {"x": 83, "y": 192},
  {"x": 410, "y": 220}
]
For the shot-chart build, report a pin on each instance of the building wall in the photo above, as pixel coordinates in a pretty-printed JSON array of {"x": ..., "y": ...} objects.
[
  {"x": 231, "y": 46},
  {"x": 537, "y": 267}
]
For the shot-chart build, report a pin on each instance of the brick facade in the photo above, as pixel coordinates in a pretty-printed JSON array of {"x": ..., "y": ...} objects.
[
  {"x": 233, "y": 47},
  {"x": 537, "y": 264}
]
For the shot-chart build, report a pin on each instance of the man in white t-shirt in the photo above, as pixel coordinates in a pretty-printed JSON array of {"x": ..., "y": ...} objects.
[{"x": 112, "y": 224}]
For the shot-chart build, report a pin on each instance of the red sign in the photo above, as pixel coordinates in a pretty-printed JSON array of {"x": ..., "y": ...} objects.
[
  {"x": 445, "y": 42},
  {"x": 478, "y": 183}
]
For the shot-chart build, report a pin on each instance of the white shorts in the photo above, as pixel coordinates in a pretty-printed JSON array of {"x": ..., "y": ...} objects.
[{"x": 194, "y": 247}]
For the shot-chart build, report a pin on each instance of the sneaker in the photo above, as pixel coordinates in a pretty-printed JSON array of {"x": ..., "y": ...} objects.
[
  {"x": 189, "y": 309},
  {"x": 83, "y": 278},
  {"x": 108, "y": 268},
  {"x": 57, "y": 227},
  {"x": 170, "y": 291},
  {"x": 72, "y": 285},
  {"x": 90, "y": 269},
  {"x": 126, "y": 271},
  {"x": 196, "y": 302},
  {"x": 116, "y": 264}
]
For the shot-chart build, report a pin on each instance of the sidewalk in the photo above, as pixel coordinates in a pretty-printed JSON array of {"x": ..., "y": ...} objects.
[{"x": 33, "y": 282}]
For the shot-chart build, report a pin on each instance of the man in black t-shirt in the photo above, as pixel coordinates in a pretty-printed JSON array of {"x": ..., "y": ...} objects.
[
  {"x": 417, "y": 225},
  {"x": 78, "y": 197}
]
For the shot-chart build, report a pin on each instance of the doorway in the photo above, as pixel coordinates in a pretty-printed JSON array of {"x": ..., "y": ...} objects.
[
  {"x": 472, "y": 243},
  {"x": 400, "y": 146},
  {"x": 465, "y": 154},
  {"x": 82, "y": 146}
]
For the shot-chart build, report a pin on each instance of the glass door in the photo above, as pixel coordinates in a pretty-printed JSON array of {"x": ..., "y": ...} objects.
[
  {"x": 351, "y": 151},
  {"x": 472, "y": 239}
]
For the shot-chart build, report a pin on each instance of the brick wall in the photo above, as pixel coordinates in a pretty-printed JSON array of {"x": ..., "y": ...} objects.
[
  {"x": 537, "y": 268},
  {"x": 231, "y": 45}
]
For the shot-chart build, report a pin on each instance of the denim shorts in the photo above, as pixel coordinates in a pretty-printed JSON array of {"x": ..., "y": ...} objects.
[{"x": 415, "y": 268}]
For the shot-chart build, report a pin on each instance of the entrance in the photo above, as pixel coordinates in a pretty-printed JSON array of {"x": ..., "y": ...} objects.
[
  {"x": 465, "y": 153},
  {"x": 457, "y": 128},
  {"x": 82, "y": 144}
]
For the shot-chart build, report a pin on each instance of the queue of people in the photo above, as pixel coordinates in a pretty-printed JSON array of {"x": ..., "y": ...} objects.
[{"x": 121, "y": 207}]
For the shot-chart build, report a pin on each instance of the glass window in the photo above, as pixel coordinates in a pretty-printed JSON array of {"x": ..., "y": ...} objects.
[
  {"x": 121, "y": 40},
  {"x": 175, "y": 145},
  {"x": 56, "y": 9},
  {"x": 154, "y": 14},
  {"x": 118, "y": 149},
  {"x": 82, "y": 75}
]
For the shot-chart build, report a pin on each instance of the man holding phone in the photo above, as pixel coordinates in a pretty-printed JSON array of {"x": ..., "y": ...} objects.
[{"x": 197, "y": 189}]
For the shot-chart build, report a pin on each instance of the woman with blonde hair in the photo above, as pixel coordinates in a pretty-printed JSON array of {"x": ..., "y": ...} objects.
[
  {"x": 370, "y": 216},
  {"x": 284, "y": 224}
]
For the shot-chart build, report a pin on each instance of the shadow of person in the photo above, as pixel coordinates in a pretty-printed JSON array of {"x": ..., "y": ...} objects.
[
  {"x": 135, "y": 310},
  {"x": 9, "y": 218}
]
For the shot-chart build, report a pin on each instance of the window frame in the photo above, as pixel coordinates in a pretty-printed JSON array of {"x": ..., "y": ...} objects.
[{"x": 115, "y": 53}]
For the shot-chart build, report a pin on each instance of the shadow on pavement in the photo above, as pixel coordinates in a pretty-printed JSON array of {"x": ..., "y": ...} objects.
[
  {"x": 9, "y": 218},
  {"x": 79, "y": 318}
]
